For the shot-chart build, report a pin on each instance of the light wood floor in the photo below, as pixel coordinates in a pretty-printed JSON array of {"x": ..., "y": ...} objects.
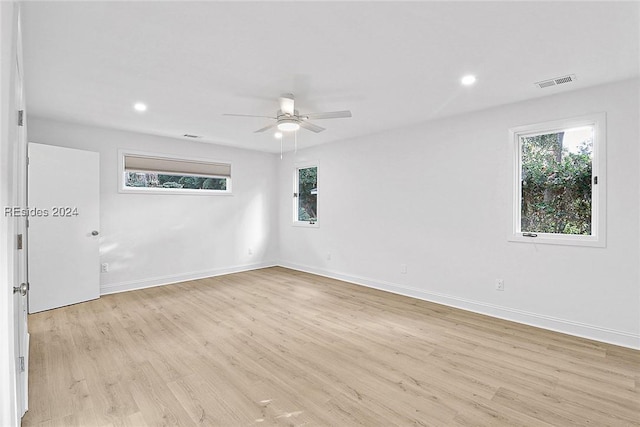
[{"x": 278, "y": 347}]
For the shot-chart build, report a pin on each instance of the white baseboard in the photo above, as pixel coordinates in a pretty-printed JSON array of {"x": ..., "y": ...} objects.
[
  {"x": 112, "y": 288},
  {"x": 621, "y": 338}
]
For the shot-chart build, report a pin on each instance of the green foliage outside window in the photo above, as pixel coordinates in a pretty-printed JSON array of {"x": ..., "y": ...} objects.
[
  {"x": 308, "y": 194},
  {"x": 156, "y": 180},
  {"x": 556, "y": 185}
]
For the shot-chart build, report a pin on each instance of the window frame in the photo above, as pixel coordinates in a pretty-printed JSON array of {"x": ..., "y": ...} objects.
[
  {"x": 598, "y": 190},
  {"x": 122, "y": 188},
  {"x": 296, "y": 186}
]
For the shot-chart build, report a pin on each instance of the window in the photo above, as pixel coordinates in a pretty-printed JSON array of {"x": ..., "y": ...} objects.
[
  {"x": 148, "y": 173},
  {"x": 559, "y": 192},
  {"x": 305, "y": 196}
]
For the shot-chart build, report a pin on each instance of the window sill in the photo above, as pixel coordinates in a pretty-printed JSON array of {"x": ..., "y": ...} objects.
[
  {"x": 306, "y": 224},
  {"x": 166, "y": 191},
  {"x": 564, "y": 240}
]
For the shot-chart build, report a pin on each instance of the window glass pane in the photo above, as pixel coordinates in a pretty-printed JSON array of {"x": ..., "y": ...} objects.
[
  {"x": 157, "y": 180},
  {"x": 556, "y": 182},
  {"x": 308, "y": 194}
]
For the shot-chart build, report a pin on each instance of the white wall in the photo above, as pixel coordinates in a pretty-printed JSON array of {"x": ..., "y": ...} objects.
[
  {"x": 150, "y": 239},
  {"x": 436, "y": 197}
]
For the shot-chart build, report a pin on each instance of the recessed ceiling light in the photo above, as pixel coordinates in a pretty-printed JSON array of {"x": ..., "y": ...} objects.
[
  {"x": 139, "y": 106},
  {"x": 468, "y": 80},
  {"x": 277, "y": 135}
]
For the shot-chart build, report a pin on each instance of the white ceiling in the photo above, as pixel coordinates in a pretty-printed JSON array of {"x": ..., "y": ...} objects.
[{"x": 391, "y": 63}]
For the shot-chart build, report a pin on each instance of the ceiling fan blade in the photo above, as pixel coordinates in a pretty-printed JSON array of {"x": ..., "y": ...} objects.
[
  {"x": 266, "y": 128},
  {"x": 310, "y": 126},
  {"x": 248, "y": 115},
  {"x": 287, "y": 104},
  {"x": 330, "y": 115}
]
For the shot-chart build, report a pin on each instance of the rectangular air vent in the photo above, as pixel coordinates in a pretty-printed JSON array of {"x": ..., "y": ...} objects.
[{"x": 556, "y": 81}]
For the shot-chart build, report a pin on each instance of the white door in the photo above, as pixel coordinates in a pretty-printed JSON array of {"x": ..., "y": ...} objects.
[{"x": 64, "y": 260}]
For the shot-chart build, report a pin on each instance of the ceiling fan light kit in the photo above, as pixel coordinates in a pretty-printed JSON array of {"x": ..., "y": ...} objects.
[{"x": 288, "y": 124}]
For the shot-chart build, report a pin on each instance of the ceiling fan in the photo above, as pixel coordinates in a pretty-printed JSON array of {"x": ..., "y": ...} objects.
[{"x": 288, "y": 119}]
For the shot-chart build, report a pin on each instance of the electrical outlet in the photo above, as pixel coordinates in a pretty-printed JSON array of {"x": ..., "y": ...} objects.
[
  {"x": 250, "y": 251},
  {"x": 328, "y": 256},
  {"x": 403, "y": 268},
  {"x": 499, "y": 285},
  {"x": 104, "y": 267}
]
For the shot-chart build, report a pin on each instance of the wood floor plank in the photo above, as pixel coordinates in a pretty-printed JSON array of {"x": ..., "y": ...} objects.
[{"x": 286, "y": 348}]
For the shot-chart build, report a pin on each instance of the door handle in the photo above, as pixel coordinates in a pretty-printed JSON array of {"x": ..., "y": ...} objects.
[
  {"x": 23, "y": 288},
  {"x": 95, "y": 233}
]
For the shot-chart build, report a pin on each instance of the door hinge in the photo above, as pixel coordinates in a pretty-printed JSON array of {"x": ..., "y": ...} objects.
[
  {"x": 20, "y": 117},
  {"x": 21, "y": 360},
  {"x": 19, "y": 242},
  {"x": 595, "y": 180}
]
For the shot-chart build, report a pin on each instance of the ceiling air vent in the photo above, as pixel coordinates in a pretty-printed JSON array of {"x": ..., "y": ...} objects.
[
  {"x": 556, "y": 81},
  {"x": 188, "y": 135}
]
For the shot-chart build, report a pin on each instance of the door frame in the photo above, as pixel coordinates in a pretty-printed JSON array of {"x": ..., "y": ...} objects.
[
  {"x": 21, "y": 274},
  {"x": 12, "y": 399}
]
